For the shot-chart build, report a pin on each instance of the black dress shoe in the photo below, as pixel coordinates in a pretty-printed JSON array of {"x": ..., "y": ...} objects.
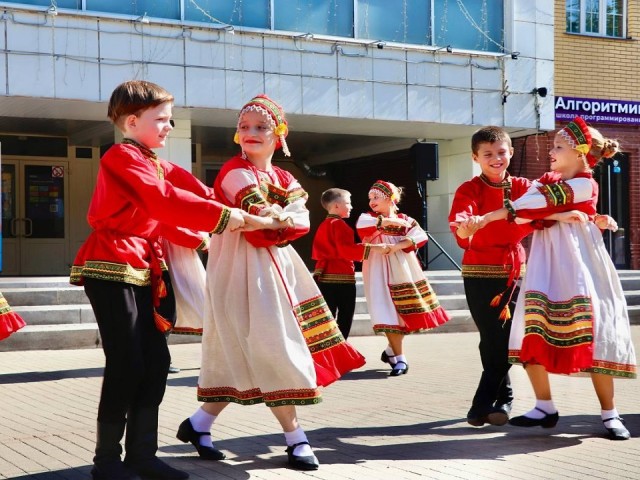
[
  {"x": 476, "y": 420},
  {"x": 114, "y": 469},
  {"x": 157, "y": 469},
  {"x": 499, "y": 414},
  {"x": 301, "y": 462},
  {"x": 173, "y": 369},
  {"x": 400, "y": 368},
  {"x": 186, "y": 434},
  {"x": 548, "y": 421},
  {"x": 384, "y": 356},
  {"x": 617, "y": 433}
]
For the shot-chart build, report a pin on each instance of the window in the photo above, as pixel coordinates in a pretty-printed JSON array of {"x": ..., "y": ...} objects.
[{"x": 606, "y": 18}]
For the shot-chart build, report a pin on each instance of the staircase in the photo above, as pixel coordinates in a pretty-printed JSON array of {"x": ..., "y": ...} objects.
[{"x": 59, "y": 315}]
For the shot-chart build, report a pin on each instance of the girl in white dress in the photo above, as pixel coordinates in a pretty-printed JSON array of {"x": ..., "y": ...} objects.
[
  {"x": 268, "y": 333},
  {"x": 571, "y": 315},
  {"x": 399, "y": 297}
]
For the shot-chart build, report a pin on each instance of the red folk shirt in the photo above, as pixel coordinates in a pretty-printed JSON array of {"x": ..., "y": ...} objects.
[
  {"x": 335, "y": 250},
  {"x": 139, "y": 198},
  {"x": 495, "y": 250}
]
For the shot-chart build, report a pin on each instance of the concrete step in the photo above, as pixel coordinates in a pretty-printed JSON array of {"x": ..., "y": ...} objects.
[{"x": 50, "y": 295}]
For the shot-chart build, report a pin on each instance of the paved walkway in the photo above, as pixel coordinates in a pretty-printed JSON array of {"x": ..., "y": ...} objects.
[{"x": 369, "y": 427}]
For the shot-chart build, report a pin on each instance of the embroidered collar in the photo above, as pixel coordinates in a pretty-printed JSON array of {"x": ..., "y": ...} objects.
[
  {"x": 333, "y": 215},
  {"x": 145, "y": 151},
  {"x": 506, "y": 183}
]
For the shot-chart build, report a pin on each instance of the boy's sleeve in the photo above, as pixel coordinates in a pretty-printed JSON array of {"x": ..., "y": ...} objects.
[
  {"x": 348, "y": 249},
  {"x": 184, "y": 237},
  {"x": 464, "y": 206},
  {"x": 133, "y": 177}
]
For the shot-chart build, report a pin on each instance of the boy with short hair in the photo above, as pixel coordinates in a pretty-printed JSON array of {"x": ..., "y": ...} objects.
[
  {"x": 335, "y": 250},
  {"x": 138, "y": 200},
  {"x": 492, "y": 263}
]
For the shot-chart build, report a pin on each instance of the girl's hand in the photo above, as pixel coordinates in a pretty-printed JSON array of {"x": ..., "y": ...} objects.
[
  {"x": 605, "y": 222},
  {"x": 396, "y": 222},
  {"x": 572, "y": 216},
  {"x": 254, "y": 222},
  {"x": 236, "y": 220}
]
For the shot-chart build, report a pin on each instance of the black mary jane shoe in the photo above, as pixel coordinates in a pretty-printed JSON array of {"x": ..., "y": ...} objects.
[
  {"x": 548, "y": 421},
  {"x": 400, "y": 368},
  {"x": 384, "y": 357},
  {"x": 617, "y": 433},
  {"x": 301, "y": 462},
  {"x": 187, "y": 434}
]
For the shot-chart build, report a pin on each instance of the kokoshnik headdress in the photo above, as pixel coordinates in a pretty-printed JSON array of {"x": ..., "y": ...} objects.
[
  {"x": 578, "y": 136},
  {"x": 274, "y": 114},
  {"x": 387, "y": 189}
]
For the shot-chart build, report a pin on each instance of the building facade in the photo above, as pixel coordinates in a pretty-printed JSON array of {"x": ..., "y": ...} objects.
[
  {"x": 597, "y": 76},
  {"x": 362, "y": 81}
]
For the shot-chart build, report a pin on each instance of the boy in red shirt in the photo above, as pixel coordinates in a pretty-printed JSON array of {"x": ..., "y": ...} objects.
[
  {"x": 139, "y": 199},
  {"x": 335, "y": 250}
]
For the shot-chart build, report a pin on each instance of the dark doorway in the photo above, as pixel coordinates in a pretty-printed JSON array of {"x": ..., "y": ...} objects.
[{"x": 613, "y": 177}]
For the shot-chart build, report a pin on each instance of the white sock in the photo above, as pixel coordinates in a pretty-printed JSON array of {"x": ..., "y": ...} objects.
[
  {"x": 391, "y": 355},
  {"x": 298, "y": 436},
  {"x": 606, "y": 414},
  {"x": 400, "y": 358},
  {"x": 546, "y": 406},
  {"x": 201, "y": 421}
]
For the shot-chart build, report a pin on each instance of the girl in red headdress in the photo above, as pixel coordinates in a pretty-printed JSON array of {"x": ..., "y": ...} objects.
[
  {"x": 571, "y": 315},
  {"x": 399, "y": 297},
  {"x": 268, "y": 334}
]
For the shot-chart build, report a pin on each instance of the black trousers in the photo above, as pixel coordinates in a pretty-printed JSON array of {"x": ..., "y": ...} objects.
[
  {"x": 136, "y": 352},
  {"x": 494, "y": 386},
  {"x": 341, "y": 300}
]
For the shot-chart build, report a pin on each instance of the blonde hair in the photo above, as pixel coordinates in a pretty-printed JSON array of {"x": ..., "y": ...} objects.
[{"x": 602, "y": 147}]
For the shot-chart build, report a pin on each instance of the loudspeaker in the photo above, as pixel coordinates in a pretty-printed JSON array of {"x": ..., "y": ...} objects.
[{"x": 425, "y": 161}]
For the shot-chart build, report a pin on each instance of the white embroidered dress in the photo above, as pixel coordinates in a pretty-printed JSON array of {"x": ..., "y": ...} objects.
[{"x": 571, "y": 315}]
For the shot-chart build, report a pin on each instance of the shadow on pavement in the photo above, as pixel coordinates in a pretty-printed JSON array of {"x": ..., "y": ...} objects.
[{"x": 30, "y": 377}]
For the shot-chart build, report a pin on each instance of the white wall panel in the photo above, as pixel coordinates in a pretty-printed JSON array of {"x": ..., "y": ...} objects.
[
  {"x": 118, "y": 41},
  {"x": 244, "y": 52},
  {"x": 286, "y": 90},
  {"x": 320, "y": 63},
  {"x": 389, "y": 102},
  {"x": 76, "y": 79},
  {"x": 389, "y": 66},
  {"x": 422, "y": 69},
  {"x": 484, "y": 108},
  {"x": 355, "y": 99},
  {"x": 30, "y": 75},
  {"x": 525, "y": 38},
  {"x": 456, "y": 106},
  {"x": 240, "y": 87},
  {"x": 455, "y": 75},
  {"x": 355, "y": 68},
  {"x": 163, "y": 45},
  {"x": 544, "y": 42},
  {"x": 319, "y": 96},
  {"x": 169, "y": 77},
  {"x": 206, "y": 49},
  {"x": 281, "y": 56},
  {"x": 205, "y": 87},
  {"x": 76, "y": 37},
  {"x": 423, "y": 103}
]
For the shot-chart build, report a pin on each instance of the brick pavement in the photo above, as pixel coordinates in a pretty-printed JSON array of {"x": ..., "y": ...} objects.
[{"x": 369, "y": 427}]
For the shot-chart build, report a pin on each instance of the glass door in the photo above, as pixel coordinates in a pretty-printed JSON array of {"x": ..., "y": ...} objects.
[
  {"x": 34, "y": 220},
  {"x": 612, "y": 176}
]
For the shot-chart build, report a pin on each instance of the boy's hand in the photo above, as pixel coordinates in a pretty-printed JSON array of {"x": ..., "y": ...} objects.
[
  {"x": 470, "y": 226},
  {"x": 254, "y": 222},
  {"x": 605, "y": 222},
  {"x": 396, "y": 222},
  {"x": 236, "y": 220},
  {"x": 380, "y": 247}
]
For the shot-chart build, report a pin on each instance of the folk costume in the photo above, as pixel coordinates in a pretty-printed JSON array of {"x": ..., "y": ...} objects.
[
  {"x": 10, "y": 321},
  {"x": 398, "y": 294},
  {"x": 492, "y": 263},
  {"x": 280, "y": 343},
  {"x": 572, "y": 316},
  {"x": 335, "y": 251},
  {"x": 139, "y": 199}
]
